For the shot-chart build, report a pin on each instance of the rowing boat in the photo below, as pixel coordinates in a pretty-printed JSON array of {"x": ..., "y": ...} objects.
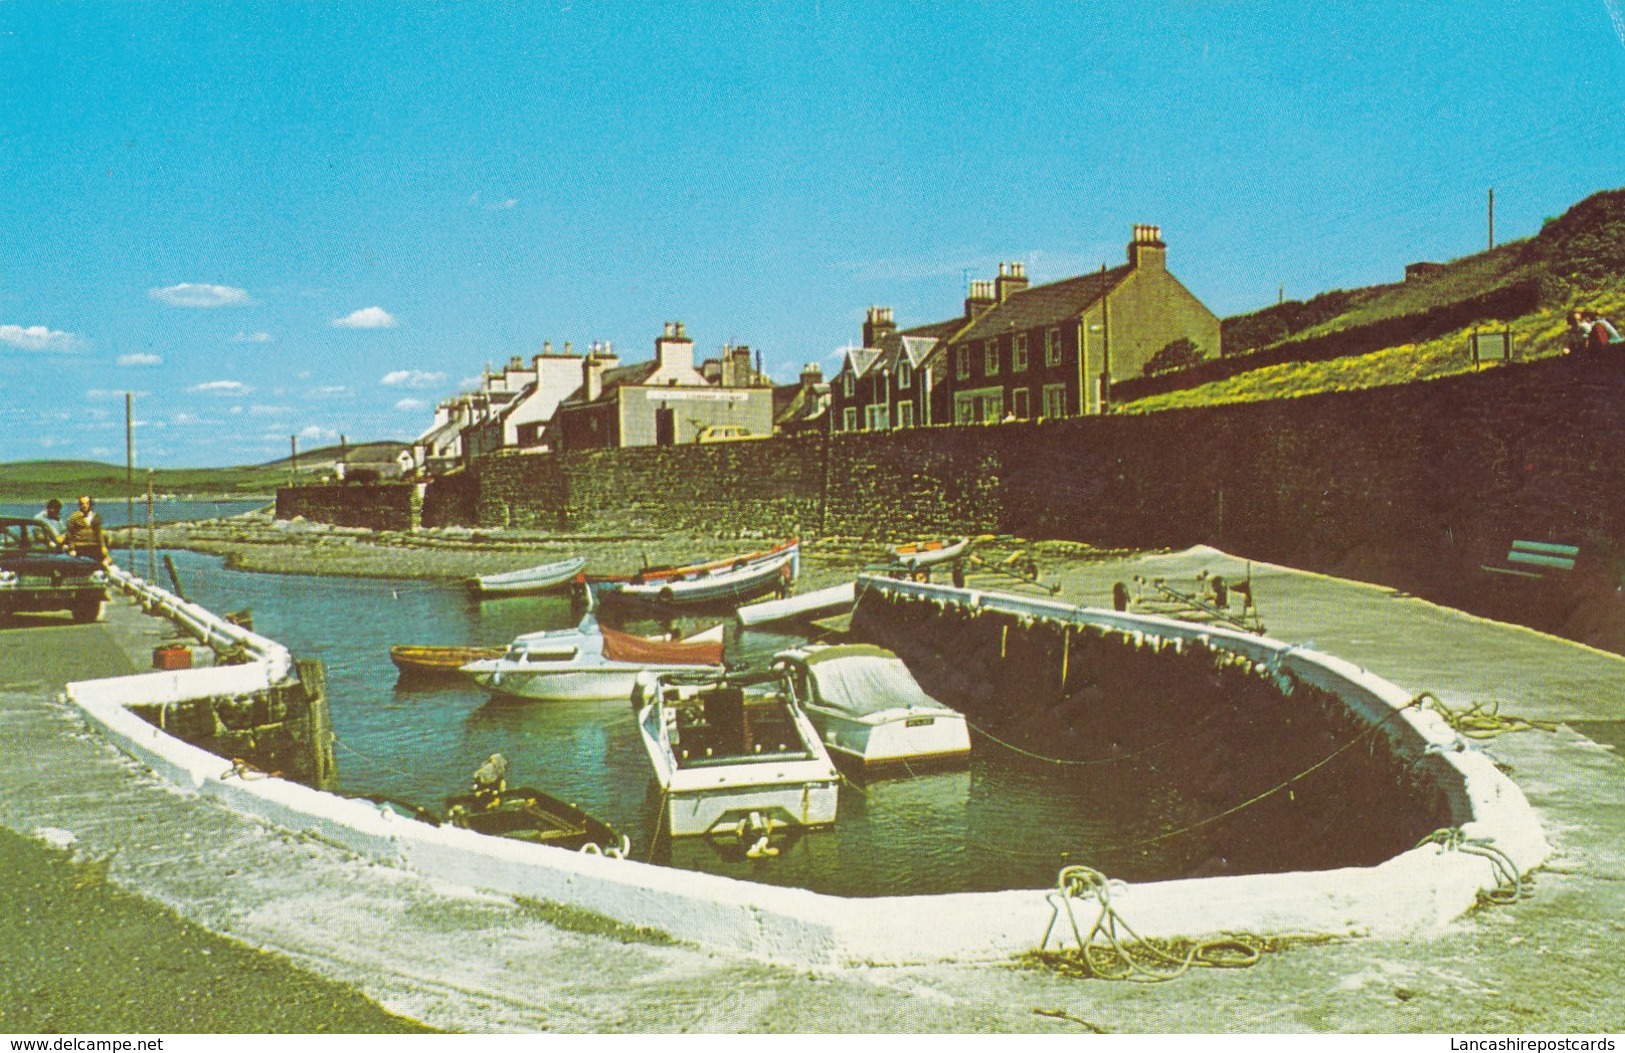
[
  {"x": 928, "y": 553},
  {"x": 413, "y": 660},
  {"x": 528, "y": 580}
]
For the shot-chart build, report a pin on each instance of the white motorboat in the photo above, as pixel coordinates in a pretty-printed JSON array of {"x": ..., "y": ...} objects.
[
  {"x": 590, "y": 663},
  {"x": 528, "y": 580},
  {"x": 824, "y": 601},
  {"x": 734, "y": 756},
  {"x": 868, "y": 708}
]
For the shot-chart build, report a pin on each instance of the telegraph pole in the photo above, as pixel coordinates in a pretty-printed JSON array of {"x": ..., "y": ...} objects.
[
  {"x": 129, "y": 480},
  {"x": 1492, "y": 217}
]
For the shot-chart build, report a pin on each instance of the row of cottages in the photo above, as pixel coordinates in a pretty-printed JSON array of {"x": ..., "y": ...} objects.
[
  {"x": 663, "y": 402},
  {"x": 1022, "y": 351},
  {"x": 510, "y": 409}
]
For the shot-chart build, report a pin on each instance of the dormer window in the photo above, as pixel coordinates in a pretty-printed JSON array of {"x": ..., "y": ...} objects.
[{"x": 905, "y": 375}]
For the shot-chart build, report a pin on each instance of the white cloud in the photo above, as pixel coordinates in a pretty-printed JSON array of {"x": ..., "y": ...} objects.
[
  {"x": 410, "y": 404},
  {"x": 317, "y": 432},
  {"x": 140, "y": 359},
  {"x": 108, "y": 393},
  {"x": 251, "y": 338},
  {"x": 191, "y": 294},
  {"x": 497, "y": 206},
  {"x": 366, "y": 318},
  {"x": 221, "y": 387},
  {"x": 100, "y": 451},
  {"x": 186, "y": 418},
  {"x": 37, "y": 338},
  {"x": 471, "y": 382},
  {"x": 269, "y": 411},
  {"x": 412, "y": 378},
  {"x": 328, "y": 391}
]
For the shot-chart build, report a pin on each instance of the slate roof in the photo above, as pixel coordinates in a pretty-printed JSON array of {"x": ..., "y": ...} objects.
[
  {"x": 617, "y": 377},
  {"x": 1043, "y": 305}
]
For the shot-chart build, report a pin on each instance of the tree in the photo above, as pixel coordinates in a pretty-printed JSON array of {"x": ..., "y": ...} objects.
[{"x": 1176, "y": 354}]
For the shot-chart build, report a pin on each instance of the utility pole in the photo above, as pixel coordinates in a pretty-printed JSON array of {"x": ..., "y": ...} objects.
[
  {"x": 1492, "y": 217},
  {"x": 293, "y": 461},
  {"x": 1105, "y": 345},
  {"x": 129, "y": 479}
]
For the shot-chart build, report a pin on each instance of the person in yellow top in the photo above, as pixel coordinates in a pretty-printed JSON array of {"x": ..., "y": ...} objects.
[{"x": 83, "y": 535}]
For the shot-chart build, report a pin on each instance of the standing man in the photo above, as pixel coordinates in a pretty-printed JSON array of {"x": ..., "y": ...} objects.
[
  {"x": 52, "y": 518},
  {"x": 84, "y": 535}
]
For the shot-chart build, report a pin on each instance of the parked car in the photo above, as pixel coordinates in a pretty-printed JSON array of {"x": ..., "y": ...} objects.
[
  {"x": 725, "y": 433},
  {"x": 38, "y": 574}
]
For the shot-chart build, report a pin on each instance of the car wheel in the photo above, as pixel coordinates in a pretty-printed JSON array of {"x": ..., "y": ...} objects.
[{"x": 90, "y": 611}]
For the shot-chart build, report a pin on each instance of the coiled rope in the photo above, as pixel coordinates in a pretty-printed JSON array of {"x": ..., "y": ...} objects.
[
  {"x": 1482, "y": 720},
  {"x": 1112, "y": 950},
  {"x": 1510, "y": 886}
]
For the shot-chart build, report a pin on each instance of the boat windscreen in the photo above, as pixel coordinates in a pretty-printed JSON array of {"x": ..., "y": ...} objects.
[{"x": 864, "y": 684}]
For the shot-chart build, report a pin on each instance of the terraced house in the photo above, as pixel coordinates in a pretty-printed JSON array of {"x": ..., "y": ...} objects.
[{"x": 1023, "y": 351}]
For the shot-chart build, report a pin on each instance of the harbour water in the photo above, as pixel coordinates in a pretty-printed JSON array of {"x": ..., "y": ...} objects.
[
  {"x": 115, "y": 513},
  {"x": 1005, "y": 821}
]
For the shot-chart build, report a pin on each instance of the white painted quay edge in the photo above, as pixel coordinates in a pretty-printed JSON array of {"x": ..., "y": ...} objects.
[{"x": 1418, "y": 890}]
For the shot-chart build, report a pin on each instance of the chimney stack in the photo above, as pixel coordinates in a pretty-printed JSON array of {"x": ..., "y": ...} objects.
[
  {"x": 1012, "y": 278},
  {"x": 592, "y": 377},
  {"x": 812, "y": 374},
  {"x": 674, "y": 352},
  {"x": 877, "y": 326},
  {"x": 982, "y": 296},
  {"x": 1147, "y": 248}
]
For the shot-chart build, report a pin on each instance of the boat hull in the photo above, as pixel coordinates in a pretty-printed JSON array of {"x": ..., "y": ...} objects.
[
  {"x": 528, "y": 581},
  {"x": 438, "y": 661},
  {"x": 600, "y": 684},
  {"x": 925, "y": 739},
  {"x": 697, "y": 812},
  {"x": 929, "y": 553},
  {"x": 727, "y": 586}
]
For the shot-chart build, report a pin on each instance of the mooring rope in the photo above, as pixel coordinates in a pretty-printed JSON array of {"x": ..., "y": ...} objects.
[
  {"x": 1510, "y": 886},
  {"x": 1190, "y": 732},
  {"x": 1483, "y": 721},
  {"x": 1109, "y": 954},
  {"x": 1285, "y": 785},
  {"x": 370, "y": 759}
]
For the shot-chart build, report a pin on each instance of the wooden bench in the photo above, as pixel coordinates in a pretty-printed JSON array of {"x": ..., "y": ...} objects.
[{"x": 1537, "y": 559}]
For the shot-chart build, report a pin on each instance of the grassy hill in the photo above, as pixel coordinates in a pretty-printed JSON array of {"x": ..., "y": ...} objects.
[{"x": 1418, "y": 329}]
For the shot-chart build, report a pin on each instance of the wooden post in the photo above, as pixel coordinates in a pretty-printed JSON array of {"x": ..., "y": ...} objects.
[
  {"x": 174, "y": 579},
  {"x": 129, "y": 480},
  {"x": 152, "y": 534},
  {"x": 324, "y": 772}
]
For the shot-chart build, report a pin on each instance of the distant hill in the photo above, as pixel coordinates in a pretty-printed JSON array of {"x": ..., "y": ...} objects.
[
  {"x": 1415, "y": 329},
  {"x": 325, "y": 457}
]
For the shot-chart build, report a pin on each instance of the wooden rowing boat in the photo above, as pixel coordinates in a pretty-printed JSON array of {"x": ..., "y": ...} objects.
[
  {"x": 528, "y": 580},
  {"x": 528, "y": 814},
  {"x": 928, "y": 553},
  {"x": 414, "y": 660}
]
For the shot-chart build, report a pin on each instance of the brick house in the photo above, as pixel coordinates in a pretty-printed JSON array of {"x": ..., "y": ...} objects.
[
  {"x": 663, "y": 402},
  {"x": 1020, "y": 350}
]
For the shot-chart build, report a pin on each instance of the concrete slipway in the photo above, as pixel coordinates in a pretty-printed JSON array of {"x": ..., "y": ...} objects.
[{"x": 460, "y": 959}]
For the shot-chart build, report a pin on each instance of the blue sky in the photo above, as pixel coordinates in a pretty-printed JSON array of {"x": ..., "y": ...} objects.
[{"x": 267, "y": 219}]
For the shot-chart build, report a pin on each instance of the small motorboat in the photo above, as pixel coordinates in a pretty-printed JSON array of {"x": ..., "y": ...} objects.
[
  {"x": 590, "y": 663},
  {"x": 528, "y": 814},
  {"x": 527, "y": 581},
  {"x": 734, "y": 757},
  {"x": 928, "y": 553},
  {"x": 869, "y": 709},
  {"x": 834, "y": 599},
  {"x": 723, "y": 581},
  {"x": 413, "y": 660}
]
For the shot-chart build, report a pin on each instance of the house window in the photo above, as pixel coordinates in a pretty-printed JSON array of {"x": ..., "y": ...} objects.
[
  {"x": 849, "y": 420},
  {"x": 962, "y": 363},
  {"x": 1018, "y": 403},
  {"x": 1018, "y": 353},
  {"x": 964, "y": 410},
  {"x": 1054, "y": 401},
  {"x": 990, "y": 358},
  {"x": 877, "y": 418},
  {"x": 905, "y": 414},
  {"x": 905, "y": 375},
  {"x": 848, "y": 388},
  {"x": 993, "y": 408},
  {"x": 1052, "y": 349}
]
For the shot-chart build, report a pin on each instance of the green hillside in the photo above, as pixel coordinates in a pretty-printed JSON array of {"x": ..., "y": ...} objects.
[
  {"x": 1419, "y": 329},
  {"x": 38, "y": 480}
]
